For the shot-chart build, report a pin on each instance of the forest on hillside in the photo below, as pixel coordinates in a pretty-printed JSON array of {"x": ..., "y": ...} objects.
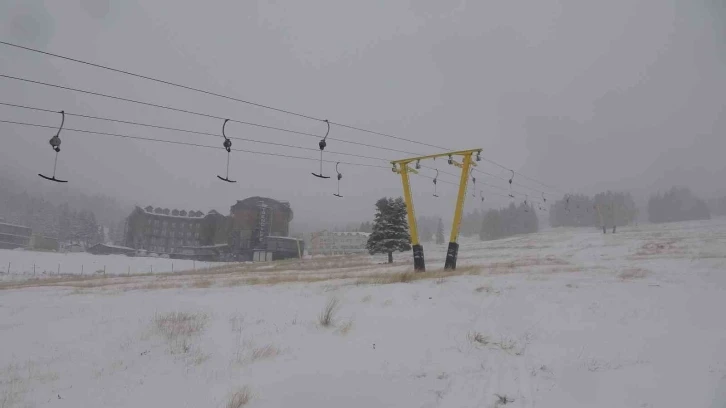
[{"x": 67, "y": 215}]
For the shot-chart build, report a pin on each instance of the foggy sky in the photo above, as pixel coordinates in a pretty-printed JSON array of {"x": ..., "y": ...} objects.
[{"x": 581, "y": 95}]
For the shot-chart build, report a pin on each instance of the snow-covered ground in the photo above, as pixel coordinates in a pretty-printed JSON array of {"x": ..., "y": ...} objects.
[
  {"x": 563, "y": 318},
  {"x": 33, "y": 264}
]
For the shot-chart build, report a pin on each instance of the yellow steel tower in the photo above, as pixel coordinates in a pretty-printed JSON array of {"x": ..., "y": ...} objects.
[{"x": 402, "y": 167}]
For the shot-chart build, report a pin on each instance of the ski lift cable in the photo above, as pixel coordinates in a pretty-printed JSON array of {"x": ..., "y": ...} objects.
[
  {"x": 115, "y": 120},
  {"x": 194, "y": 132},
  {"x": 189, "y": 112},
  {"x": 200, "y": 114},
  {"x": 215, "y": 135},
  {"x": 198, "y": 145},
  {"x": 199, "y": 90},
  {"x": 119, "y": 135},
  {"x": 259, "y": 105}
]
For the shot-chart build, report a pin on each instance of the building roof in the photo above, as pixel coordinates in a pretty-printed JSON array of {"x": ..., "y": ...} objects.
[
  {"x": 14, "y": 225},
  {"x": 352, "y": 233},
  {"x": 253, "y": 202},
  {"x": 183, "y": 217},
  {"x": 113, "y": 246}
]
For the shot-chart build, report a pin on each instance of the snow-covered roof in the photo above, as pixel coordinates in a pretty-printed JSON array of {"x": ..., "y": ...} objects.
[
  {"x": 14, "y": 225},
  {"x": 365, "y": 234},
  {"x": 182, "y": 217},
  {"x": 205, "y": 246},
  {"x": 278, "y": 237},
  {"x": 115, "y": 247}
]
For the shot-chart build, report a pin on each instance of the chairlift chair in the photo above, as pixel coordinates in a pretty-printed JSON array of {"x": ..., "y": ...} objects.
[
  {"x": 510, "y": 184},
  {"x": 228, "y": 147},
  {"x": 322, "y": 145},
  {"x": 473, "y": 181},
  {"x": 340, "y": 176},
  {"x": 55, "y": 143}
]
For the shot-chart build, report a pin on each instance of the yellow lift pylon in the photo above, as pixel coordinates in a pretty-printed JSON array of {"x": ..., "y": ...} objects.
[{"x": 402, "y": 167}]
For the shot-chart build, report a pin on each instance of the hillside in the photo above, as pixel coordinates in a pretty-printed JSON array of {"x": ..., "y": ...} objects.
[{"x": 562, "y": 318}]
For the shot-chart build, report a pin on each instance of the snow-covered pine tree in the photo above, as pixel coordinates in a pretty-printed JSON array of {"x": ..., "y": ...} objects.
[
  {"x": 390, "y": 228},
  {"x": 440, "y": 240}
]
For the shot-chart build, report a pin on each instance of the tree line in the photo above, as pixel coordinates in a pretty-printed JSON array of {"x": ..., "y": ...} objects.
[
  {"x": 61, "y": 222},
  {"x": 677, "y": 204},
  {"x": 604, "y": 209},
  {"x": 508, "y": 221}
]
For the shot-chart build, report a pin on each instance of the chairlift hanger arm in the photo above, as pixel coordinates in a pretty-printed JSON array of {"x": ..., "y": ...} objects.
[
  {"x": 433, "y": 156},
  {"x": 55, "y": 143}
]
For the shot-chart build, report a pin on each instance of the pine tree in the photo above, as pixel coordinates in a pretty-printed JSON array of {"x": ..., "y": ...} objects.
[
  {"x": 440, "y": 233},
  {"x": 424, "y": 229},
  {"x": 390, "y": 228}
]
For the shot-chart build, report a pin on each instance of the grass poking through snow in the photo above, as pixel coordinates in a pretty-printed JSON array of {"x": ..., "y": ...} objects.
[
  {"x": 327, "y": 316},
  {"x": 633, "y": 273},
  {"x": 477, "y": 338},
  {"x": 178, "y": 328},
  {"x": 261, "y": 353},
  {"x": 345, "y": 328},
  {"x": 239, "y": 398}
]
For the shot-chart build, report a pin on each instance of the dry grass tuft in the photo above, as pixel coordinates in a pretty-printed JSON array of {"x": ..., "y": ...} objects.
[
  {"x": 239, "y": 398},
  {"x": 486, "y": 289},
  {"x": 157, "y": 286},
  {"x": 261, "y": 353},
  {"x": 327, "y": 316},
  {"x": 477, "y": 338},
  {"x": 179, "y": 327},
  {"x": 345, "y": 328},
  {"x": 202, "y": 283},
  {"x": 366, "y": 298},
  {"x": 502, "y": 400},
  {"x": 438, "y": 276},
  {"x": 633, "y": 273},
  {"x": 403, "y": 277}
]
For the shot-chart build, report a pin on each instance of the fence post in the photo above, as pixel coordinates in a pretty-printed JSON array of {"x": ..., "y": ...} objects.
[
  {"x": 172, "y": 267},
  {"x": 151, "y": 268},
  {"x": 33, "y": 269},
  {"x": 8, "y": 268},
  {"x": 81, "y": 269},
  {"x": 58, "y": 269},
  {"x": 128, "y": 272},
  {"x": 104, "y": 270},
  {"x": 194, "y": 264}
]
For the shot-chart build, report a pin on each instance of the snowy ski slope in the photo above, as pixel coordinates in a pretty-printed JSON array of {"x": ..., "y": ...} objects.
[{"x": 563, "y": 318}]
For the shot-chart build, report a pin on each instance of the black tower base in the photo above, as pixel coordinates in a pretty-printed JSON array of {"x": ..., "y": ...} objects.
[
  {"x": 418, "y": 259},
  {"x": 451, "y": 255}
]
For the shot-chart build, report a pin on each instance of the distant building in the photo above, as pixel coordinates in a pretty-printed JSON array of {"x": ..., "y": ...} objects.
[
  {"x": 43, "y": 243},
  {"x": 256, "y": 224},
  {"x": 157, "y": 231},
  {"x": 14, "y": 236},
  {"x": 255, "y": 219},
  {"x": 107, "y": 249},
  {"x": 338, "y": 243}
]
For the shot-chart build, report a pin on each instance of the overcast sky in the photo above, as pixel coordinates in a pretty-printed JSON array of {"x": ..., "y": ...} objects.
[{"x": 581, "y": 95}]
